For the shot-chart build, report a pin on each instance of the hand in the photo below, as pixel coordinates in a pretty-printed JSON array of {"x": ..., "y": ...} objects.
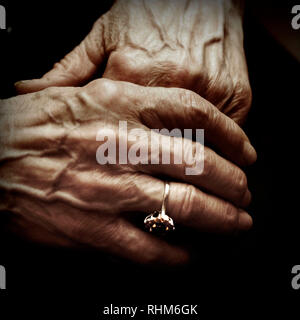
[
  {"x": 197, "y": 45},
  {"x": 50, "y": 179}
]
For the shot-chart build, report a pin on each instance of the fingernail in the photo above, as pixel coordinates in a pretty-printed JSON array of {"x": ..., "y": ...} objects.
[
  {"x": 21, "y": 83},
  {"x": 249, "y": 152},
  {"x": 245, "y": 221}
]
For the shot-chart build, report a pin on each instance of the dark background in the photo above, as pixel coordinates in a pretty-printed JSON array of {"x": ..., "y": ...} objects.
[{"x": 235, "y": 276}]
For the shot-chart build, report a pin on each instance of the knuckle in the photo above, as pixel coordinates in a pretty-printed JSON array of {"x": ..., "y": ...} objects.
[
  {"x": 231, "y": 218},
  {"x": 211, "y": 116},
  {"x": 198, "y": 107},
  {"x": 123, "y": 66},
  {"x": 236, "y": 135},
  {"x": 67, "y": 60},
  {"x": 241, "y": 185},
  {"x": 71, "y": 59},
  {"x": 189, "y": 149},
  {"x": 187, "y": 98},
  {"x": 106, "y": 85},
  {"x": 62, "y": 65},
  {"x": 186, "y": 203},
  {"x": 209, "y": 164},
  {"x": 206, "y": 113},
  {"x": 106, "y": 90}
]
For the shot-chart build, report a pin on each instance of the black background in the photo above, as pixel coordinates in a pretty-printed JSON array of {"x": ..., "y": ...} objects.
[{"x": 249, "y": 274}]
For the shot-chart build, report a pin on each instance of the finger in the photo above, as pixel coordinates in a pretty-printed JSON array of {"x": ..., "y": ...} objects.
[
  {"x": 142, "y": 247},
  {"x": 218, "y": 176},
  {"x": 176, "y": 157},
  {"x": 78, "y": 228},
  {"x": 179, "y": 108},
  {"x": 75, "y": 68},
  {"x": 123, "y": 239},
  {"x": 70, "y": 224},
  {"x": 184, "y": 161},
  {"x": 191, "y": 207},
  {"x": 186, "y": 204}
]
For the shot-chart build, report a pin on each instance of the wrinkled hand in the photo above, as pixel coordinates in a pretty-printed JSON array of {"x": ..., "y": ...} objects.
[
  {"x": 50, "y": 179},
  {"x": 197, "y": 45}
]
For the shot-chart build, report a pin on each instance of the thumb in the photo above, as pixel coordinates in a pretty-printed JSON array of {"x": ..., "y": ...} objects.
[{"x": 75, "y": 68}]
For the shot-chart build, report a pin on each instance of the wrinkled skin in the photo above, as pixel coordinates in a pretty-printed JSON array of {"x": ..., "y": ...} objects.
[
  {"x": 197, "y": 45},
  {"x": 58, "y": 194}
]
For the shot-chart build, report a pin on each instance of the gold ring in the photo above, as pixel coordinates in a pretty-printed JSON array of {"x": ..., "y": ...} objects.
[{"x": 158, "y": 221}]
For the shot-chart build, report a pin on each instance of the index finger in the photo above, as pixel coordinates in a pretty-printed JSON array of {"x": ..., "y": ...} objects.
[{"x": 179, "y": 108}]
